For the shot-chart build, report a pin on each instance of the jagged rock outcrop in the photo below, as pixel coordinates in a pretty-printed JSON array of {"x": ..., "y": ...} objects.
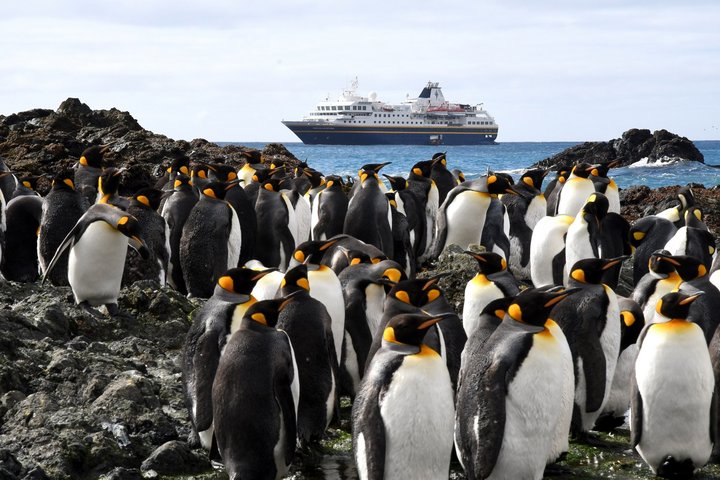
[
  {"x": 42, "y": 141},
  {"x": 634, "y": 145}
]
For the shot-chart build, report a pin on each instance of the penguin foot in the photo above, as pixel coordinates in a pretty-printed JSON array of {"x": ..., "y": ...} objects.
[
  {"x": 193, "y": 439},
  {"x": 589, "y": 439},
  {"x": 672, "y": 469},
  {"x": 86, "y": 306},
  {"x": 112, "y": 309},
  {"x": 608, "y": 423},
  {"x": 555, "y": 470}
]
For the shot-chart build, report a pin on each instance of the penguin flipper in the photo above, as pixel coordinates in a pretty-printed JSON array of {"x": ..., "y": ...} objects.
[
  {"x": 714, "y": 416},
  {"x": 67, "y": 242},
  {"x": 373, "y": 436},
  {"x": 593, "y": 359},
  {"x": 636, "y": 417},
  {"x": 206, "y": 359},
  {"x": 284, "y": 398}
]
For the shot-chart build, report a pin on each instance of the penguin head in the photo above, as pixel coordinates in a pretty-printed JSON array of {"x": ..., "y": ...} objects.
[
  {"x": 489, "y": 262},
  {"x": 632, "y": 322},
  {"x": 312, "y": 251},
  {"x": 533, "y": 306},
  {"x": 93, "y": 156},
  {"x": 252, "y": 157},
  {"x": 417, "y": 292},
  {"x": 29, "y": 182},
  {"x": 498, "y": 307},
  {"x": 595, "y": 208},
  {"x": 582, "y": 170},
  {"x": 459, "y": 175},
  {"x": 638, "y": 231},
  {"x": 396, "y": 183},
  {"x": 109, "y": 181},
  {"x": 272, "y": 184},
  {"x": 130, "y": 227},
  {"x": 562, "y": 175},
  {"x": 498, "y": 183},
  {"x": 181, "y": 182},
  {"x": 658, "y": 265},
  {"x": 694, "y": 218},
  {"x": 676, "y": 305},
  {"x": 334, "y": 183},
  {"x": 439, "y": 161},
  {"x": 199, "y": 170},
  {"x": 410, "y": 328},
  {"x": 64, "y": 180},
  {"x": 295, "y": 279},
  {"x": 267, "y": 312},
  {"x": 689, "y": 268},
  {"x": 219, "y": 172},
  {"x": 602, "y": 169},
  {"x": 149, "y": 197},
  {"x": 371, "y": 170},
  {"x": 534, "y": 178},
  {"x": 316, "y": 178},
  {"x": 422, "y": 169},
  {"x": 591, "y": 270},
  {"x": 241, "y": 280},
  {"x": 180, "y": 165},
  {"x": 214, "y": 191},
  {"x": 686, "y": 197}
]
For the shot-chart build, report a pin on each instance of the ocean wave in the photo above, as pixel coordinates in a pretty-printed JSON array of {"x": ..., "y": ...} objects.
[{"x": 660, "y": 162}]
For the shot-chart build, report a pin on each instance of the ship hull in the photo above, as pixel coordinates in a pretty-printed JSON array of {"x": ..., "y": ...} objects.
[{"x": 328, "y": 134}]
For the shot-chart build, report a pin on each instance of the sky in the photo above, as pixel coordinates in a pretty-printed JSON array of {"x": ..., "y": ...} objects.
[{"x": 556, "y": 70}]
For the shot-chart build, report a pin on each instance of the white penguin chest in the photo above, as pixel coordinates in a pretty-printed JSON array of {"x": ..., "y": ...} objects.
[
  {"x": 466, "y": 218},
  {"x": 478, "y": 293},
  {"x": 418, "y": 414},
  {"x": 326, "y": 288},
  {"x": 374, "y": 301},
  {"x": 535, "y": 211},
  {"x": 96, "y": 263}
]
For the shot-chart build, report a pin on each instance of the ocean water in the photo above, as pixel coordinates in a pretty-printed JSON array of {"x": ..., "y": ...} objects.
[{"x": 512, "y": 157}]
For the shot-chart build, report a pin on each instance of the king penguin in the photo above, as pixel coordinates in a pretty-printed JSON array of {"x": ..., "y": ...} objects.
[
  {"x": 606, "y": 185},
  {"x": 329, "y": 208},
  {"x": 255, "y": 427},
  {"x": 443, "y": 178},
  {"x": 583, "y": 236},
  {"x": 175, "y": 211},
  {"x": 576, "y": 190},
  {"x": 88, "y": 170},
  {"x": 515, "y": 393},
  {"x": 547, "y": 250},
  {"x": 108, "y": 187},
  {"x": 20, "y": 252},
  {"x": 309, "y": 328},
  {"x": 673, "y": 421},
  {"x": 402, "y": 419},
  {"x": 98, "y": 246},
  {"x": 662, "y": 278},
  {"x": 492, "y": 281},
  {"x": 62, "y": 208},
  {"x": 419, "y": 182},
  {"x": 156, "y": 233},
  {"x": 212, "y": 326},
  {"x": 647, "y": 235},
  {"x": 552, "y": 191},
  {"x": 590, "y": 320},
  {"x": 210, "y": 241},
  {"x": 276, "y": 226},
  {"x": 369, "y": 217}
]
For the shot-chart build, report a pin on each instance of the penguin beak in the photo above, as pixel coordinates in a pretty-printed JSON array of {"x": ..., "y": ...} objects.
[
  {"x": 614, "y": 262},
  {"x": 262, "y": 273},
  {"x": 692, "y": 298},
  {"x": 433, "y": 320},
  {"x": 140, "y": 246}
]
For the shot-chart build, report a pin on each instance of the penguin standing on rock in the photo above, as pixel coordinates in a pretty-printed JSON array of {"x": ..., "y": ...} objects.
[
  {"x": 62, "y": 208},
  {"x": 210, "y": 242},
  {"x": 154, "y": 230},
  {"x": 309, "y": 328},
  {"x": 255, "y": 427},
  {"x": 98, "y": 246},
  {"x": 212, "y": 327},
  {"x": 403, "y": 415},
  {"x": 20, "y": 252},
  {"x": 674, "y": 405},
  {"x": 276, "y": 226},
  {"x": 175, "y": 211},
  {"x": 369, "y": 217},
  {"x": 514, "y": 398},
  {"x": 329, "y": 209}
]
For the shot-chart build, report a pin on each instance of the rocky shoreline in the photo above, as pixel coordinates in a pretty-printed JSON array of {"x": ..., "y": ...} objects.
[{"x": 82, "y": 397}]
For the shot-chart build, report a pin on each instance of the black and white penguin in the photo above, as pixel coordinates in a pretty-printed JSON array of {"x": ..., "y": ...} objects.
[
  {"x": 364, "y": 293},
  {"x": 199, "y": 177},
  {"x": 88, "y": 170},
  {"x": 210, "y": 241},
  {"x": 62, "y": 208},
  {"x": 618, "y": 403},
  {"x": 606, "y": 185},
  {"x": 647, "y": 235},
  {"x": 576, "y": 190},
  {"x": 98, "y": 246},
  {"x": 8, "y": 181},
  {"x": 583, "y": 236},
  {"x": 463, "y": 217},
  {"x": 276, "y": 226},
  {"x": 212, "y": 326},
  {"x": 369, "y": 217},
  {"x": 674, "y": 405},
  {"x": 515, "y": 392},
  {"x": 419, "y": 182},
  {"x": 255, "y": 428},
  {"x": 660, "y": 280},
  {"x": 613, "y": 242},
  {"x": 156, "y": 233},
  {"x": 547, "y": 250},
  {"x": 443, "y": 178},
  {"x": 552, "y": 191},
  {"x": 108, "y": 186},
  {"x": 336, "y": 256},
  {"x": 25, "y": 186},
  {"x": 693, "y": 242},
  {"x": 245, "y": 209},
  {"x": 175, "y": 211},
  {"x": 402, "y": 418},
  {"x": 492, "y": 281},
  {"x": 407, "y": 203},
  {"x": 329, "y": 209},
  {"x": 309, "y": 327},
  {"x": 676, "y": 214},
  {"x": 403, "y": 252},
  {"x": 20, "y": 252},
  {"x": 180, "y": 165},
  {"x": 590, "y": 320}
]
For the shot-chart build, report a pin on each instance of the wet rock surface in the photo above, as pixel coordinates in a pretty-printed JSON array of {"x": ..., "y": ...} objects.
[{"x": 634, "y": 145}]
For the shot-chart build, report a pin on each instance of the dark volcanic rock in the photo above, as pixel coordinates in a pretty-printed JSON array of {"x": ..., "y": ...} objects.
[
  {"x": 175, "y": 457},
  {"x": 45, "y": 141},
  {"x": 633, "y": 146}
]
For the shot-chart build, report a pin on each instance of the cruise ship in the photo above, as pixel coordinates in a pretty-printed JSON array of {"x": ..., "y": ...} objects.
[{"x": 428, "y": 119}]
